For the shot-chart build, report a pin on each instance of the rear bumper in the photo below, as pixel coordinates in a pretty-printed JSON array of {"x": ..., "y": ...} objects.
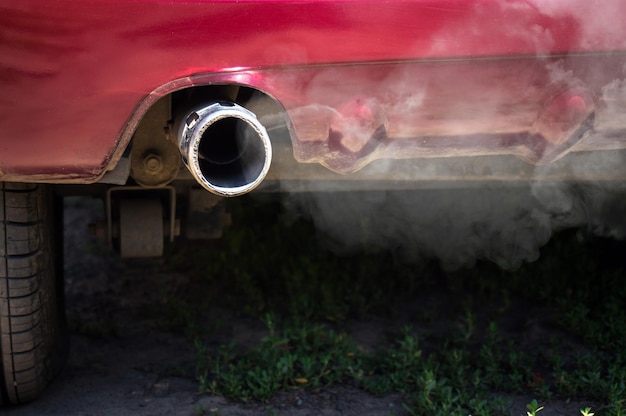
[{"x": 358, "y": 81}]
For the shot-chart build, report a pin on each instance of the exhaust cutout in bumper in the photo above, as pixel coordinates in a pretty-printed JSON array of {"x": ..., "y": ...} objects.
[{"x": 225, "y": 147}]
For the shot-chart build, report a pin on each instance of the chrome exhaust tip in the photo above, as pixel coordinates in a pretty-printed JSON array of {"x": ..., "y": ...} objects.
[{"x": 225, "y": 147}]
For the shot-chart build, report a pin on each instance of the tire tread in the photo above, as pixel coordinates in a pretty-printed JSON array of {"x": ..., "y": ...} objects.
[{"x": 30, "y": 333}]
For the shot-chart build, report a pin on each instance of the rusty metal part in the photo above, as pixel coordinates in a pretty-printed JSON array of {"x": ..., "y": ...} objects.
[
  {"x": 154, "y": 159},
  {"x": 141, "y": 228},
  {"x": 563, "y": 114},
  {"x": 139, "y": 219},
  {"x": 582, "y": 165},
  {"x": 355, "y": 123},
  {"x": 224, "y": 146},
  {"x": 118, "y": 175},
  {"x": 534, "y": 109}
]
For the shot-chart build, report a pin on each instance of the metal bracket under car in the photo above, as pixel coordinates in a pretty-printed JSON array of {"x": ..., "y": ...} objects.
[{"x": 139, "y": 219}]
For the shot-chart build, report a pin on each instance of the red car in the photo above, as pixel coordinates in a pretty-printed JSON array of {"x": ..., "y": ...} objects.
[{"x": 148, "y": 103}]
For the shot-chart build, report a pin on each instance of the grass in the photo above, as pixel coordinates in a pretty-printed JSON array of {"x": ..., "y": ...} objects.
[
  {"x": 554, "y": 329},
  {"x": 290, "y": 356}
]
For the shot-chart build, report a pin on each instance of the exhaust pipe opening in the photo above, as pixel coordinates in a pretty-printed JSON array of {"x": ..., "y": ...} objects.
[{"x": 225, "y": 147}]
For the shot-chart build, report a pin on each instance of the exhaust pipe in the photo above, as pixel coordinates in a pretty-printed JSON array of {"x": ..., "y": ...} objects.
[{"x": 225, "y": 147}]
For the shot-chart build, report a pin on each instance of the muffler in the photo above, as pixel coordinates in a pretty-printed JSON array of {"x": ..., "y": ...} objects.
[{"x": 225, "y": 147}]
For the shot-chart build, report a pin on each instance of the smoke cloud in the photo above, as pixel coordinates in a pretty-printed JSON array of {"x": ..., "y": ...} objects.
[
  {"x": 507, "y": 224},
  {"x": 466, "y": 109},
  {"x": 486, "y": 217}
]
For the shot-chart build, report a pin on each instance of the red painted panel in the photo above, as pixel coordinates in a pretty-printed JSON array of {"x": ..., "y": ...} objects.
[{"x": 72, "y": 73}]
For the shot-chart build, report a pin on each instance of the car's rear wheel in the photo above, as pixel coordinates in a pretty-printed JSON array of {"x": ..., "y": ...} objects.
[{"x": 33, "y": 336}]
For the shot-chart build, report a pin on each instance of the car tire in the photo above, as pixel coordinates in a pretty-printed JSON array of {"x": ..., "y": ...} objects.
[{"x": 33, "y": 331}]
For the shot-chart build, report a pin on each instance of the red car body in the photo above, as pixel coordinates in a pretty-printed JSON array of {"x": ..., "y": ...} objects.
[{"x": 440, "y": 77}]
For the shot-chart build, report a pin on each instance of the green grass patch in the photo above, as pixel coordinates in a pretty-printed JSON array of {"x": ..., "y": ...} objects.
[
  {"x": 453, "y": 343},
  {"x": 292, "y": 355}
]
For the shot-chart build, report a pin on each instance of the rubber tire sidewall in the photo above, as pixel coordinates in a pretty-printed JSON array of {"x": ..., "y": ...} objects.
[{"x": 33, "y": 330}]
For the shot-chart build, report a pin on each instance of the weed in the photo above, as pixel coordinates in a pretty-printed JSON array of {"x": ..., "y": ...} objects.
[
  {"x": 290, "y": 356},
  {"x": 586, "y": 412},
  {"x": 466, "y": 357},
  {"x": 533, "y": 408}
]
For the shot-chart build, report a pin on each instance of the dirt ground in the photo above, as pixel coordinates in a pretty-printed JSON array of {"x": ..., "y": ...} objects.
[{"x": 122, "y": 362}]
